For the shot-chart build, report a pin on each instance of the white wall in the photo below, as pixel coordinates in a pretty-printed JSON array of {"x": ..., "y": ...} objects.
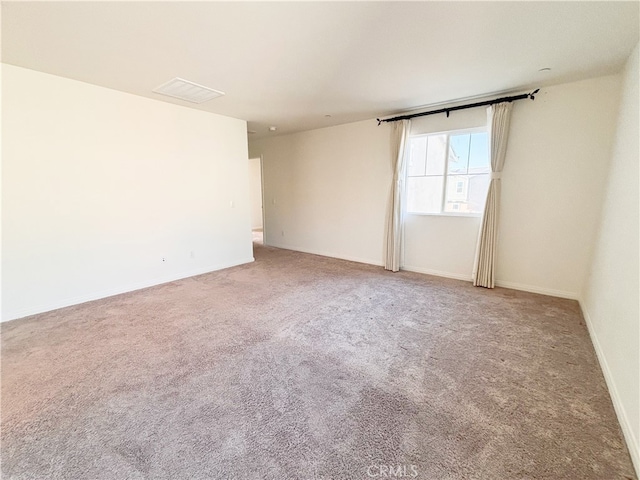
[
  {"x": 99, "y": 186},
  {"x": 553, "y": 185},
  {"x": 332, "y": 186},
  {"x": 611, "y": 297},
  {"x": 255, "y": 192},
  {"x": 326, "y": 190}
]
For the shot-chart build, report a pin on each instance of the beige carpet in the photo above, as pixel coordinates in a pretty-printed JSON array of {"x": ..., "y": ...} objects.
[{"x": 303, "y": 367}]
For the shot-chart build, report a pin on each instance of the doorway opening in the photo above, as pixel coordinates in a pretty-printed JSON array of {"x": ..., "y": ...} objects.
[{"x": 255, "y": 192}]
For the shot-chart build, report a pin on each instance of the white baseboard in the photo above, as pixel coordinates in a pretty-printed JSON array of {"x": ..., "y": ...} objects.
[
  {"x": 437, "y": 273},
  {"x": 513, "y": 285},
  {"x": 67, "y": 302},
  {"x": 625, "y": 424},
  {"x": 540, "y": 290},
  {"x": 321, "y": 253}
]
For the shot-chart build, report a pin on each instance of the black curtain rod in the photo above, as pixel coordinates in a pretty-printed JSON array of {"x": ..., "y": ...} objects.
[{"x": 462, "y": 107}]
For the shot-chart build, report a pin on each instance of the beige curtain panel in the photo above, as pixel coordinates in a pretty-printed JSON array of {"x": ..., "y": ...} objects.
[
  {"x": 393, "y": 240},
  {"x": 484, "y": 264}
]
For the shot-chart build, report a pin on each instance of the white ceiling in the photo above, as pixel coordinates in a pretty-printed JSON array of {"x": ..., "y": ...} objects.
[{"x": 291, "y": 63}]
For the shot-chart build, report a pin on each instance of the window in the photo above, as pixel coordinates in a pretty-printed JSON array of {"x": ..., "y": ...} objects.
[{"x": 448, "y": 173}]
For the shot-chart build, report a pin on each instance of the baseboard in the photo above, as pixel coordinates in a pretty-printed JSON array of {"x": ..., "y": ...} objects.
[
  {"x": 540, "y": 290},
  {"x": 627, "y": 431},
  {"x": 437, "y": 273},
  {"x": 514, "y": 286},
  {"x": 67, "y": 302},
  {"x": 321, "y": 253}
]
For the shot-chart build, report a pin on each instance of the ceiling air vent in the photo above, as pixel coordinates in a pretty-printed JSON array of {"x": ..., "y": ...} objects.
[{"x": 186, "y": 90}]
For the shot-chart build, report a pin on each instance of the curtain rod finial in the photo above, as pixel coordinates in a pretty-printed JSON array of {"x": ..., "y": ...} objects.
[
  {"x": 379, "y": 121},
  {"x": 532, "y": 94}
]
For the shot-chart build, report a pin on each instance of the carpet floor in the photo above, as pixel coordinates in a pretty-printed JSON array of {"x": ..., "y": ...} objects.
[{"x": 303, "y": 367}]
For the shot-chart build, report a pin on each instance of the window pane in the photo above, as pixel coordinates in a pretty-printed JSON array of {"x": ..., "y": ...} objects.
[
  {"x": 417, "y": 156},
  {"x": 466, "y": 193},
  {"x": 456, "y": 199},
  {"x": 435, "y": 154},
  {"x": 424, "y": 194},
  {"x": 479, "y": 153},
  {"x": 458, "y": 153}
]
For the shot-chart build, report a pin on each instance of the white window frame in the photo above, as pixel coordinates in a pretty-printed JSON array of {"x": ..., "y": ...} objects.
[{"x": 442, "y": 213}]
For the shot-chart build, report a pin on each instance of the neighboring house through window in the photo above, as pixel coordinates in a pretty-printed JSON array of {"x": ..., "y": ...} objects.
[{"x": 448, "y": 173}]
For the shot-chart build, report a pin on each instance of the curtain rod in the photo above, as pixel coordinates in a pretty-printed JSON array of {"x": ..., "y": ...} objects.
[{"x": 461, "y": 107}]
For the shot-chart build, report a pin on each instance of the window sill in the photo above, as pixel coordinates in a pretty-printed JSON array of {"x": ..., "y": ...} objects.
[{"x": 472, "y": 215}]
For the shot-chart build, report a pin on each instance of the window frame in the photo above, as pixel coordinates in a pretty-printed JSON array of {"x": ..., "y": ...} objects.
[{"x": 442, "y": 213}]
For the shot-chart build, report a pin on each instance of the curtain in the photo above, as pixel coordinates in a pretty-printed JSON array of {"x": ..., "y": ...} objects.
[
  {"x": 393, "y": 240},
  {"x": 498, "y": 117}
]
